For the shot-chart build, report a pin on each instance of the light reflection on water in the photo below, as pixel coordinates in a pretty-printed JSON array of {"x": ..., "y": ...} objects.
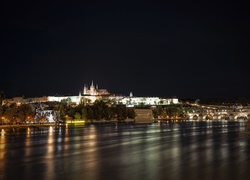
[{"x": 197, "y": 150}]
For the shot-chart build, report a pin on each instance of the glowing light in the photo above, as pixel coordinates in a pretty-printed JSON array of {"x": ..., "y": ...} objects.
[
  {"x": 50, "y": 129},
  {"x": 75, "y": 122},
  {"x": 2, "y": 133},
  {"x": 2, "y": 144}
]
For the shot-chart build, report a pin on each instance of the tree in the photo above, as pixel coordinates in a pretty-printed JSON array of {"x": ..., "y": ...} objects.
[
  {"x": 108, "y": 113},
  {"x": 1, "y": 113},
  {"x": 121, "y": 112},
  {"x": 71, "y": 112},
  {"x": 84, "y": 113},
  {"x": 77, "y": 115},
  {"x": 10, "y": 114},
  {"x": 42, "y": 119},
  {"x": 171, "y": 111},
  {"x": 161, "y": 102},
  {"x": 68, "y": 100},
  {"x": 24, "y": 112},
  {"x": 157, "y": 112},
  {"x": 90, "y": 112},
  {"x": 131, "y": 113},
  {"x": 99, "y": 108},
  {"x": 59, "y": 113}
]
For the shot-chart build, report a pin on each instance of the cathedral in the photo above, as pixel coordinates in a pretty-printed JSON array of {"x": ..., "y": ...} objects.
[{"x": 94, "y": 91}]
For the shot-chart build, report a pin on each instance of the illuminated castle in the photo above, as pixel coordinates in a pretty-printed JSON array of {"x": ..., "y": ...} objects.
[
  {"x": 94, "y": 91},
  {"x": 92, "y": 94}
]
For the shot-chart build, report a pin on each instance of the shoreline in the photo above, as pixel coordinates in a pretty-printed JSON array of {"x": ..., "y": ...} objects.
[
  {"x": 111, "y": 122},
  {"x": 25, "y": 125},
  {"x": 53, "y": 125}
]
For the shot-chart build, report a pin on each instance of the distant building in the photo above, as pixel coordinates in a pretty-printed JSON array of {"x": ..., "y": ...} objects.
[
  {"x": 93, "y": 93},
  {"x": 143, "y": 115},
  {"x": 66, "y": 99},
  {"x": 131, "y": 101},
  {"x": 24, "y": 100}
]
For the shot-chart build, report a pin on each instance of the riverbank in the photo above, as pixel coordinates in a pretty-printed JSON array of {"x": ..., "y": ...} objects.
[
  {"x": 25, "y": 125},
  {"x": 72, "y": 123}
]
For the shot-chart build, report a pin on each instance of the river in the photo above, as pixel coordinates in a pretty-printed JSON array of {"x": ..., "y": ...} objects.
[{"x": 186, "y": 150}]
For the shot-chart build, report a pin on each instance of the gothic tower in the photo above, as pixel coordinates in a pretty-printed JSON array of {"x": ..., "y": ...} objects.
[
  {"x": 85, "y": 90},
  {"x": 92, "y": 89}
]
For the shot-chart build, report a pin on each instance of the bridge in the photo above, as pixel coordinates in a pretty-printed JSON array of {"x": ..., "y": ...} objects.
[{"x": 218, "y": 115}]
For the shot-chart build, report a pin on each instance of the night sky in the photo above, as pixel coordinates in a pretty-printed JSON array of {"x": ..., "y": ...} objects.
[{"x": 185, "y": 49}]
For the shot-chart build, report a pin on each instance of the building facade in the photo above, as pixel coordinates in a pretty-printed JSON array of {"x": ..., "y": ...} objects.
[
  {"x": 94, "y": 90},
  {"x": 93, "y": 93}
]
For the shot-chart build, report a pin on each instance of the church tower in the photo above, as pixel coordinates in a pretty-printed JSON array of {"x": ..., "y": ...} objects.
[
  {"x": 85, "y": 90},
  {"x": 92, "y": 89},
  {"x": 79, "y": 97}
]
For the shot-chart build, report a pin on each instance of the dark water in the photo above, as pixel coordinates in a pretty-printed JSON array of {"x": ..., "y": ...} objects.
[{"x": 204, "y": 150}]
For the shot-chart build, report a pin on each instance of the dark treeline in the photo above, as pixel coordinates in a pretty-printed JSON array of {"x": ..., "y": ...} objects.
[
  {"x": 169, "y": 111},
  {"x": 99, "y": 110},
  {"x": 14, "y": 114}
]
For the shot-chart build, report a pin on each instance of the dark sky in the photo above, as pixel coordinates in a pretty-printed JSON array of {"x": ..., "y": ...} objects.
[{"x": 185, "y": 49}]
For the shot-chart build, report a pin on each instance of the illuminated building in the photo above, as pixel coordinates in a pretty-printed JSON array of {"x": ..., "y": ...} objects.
[{"x": 93, "y": 93}]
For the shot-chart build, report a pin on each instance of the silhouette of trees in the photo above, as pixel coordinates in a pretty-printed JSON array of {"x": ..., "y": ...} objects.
[
  {"x": 77, "y": 115},
  {"x": 10, "y": 114},
  {"x": 99, "y": 110},
  {"x": 24, "y": 113},
  {"x": 170, "y": 111},
  {"x": 60, "y": 113}
]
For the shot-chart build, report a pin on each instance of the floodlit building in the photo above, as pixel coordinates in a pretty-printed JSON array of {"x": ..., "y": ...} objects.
[
  {"x": 131, "y": 101},
  {"x": 25, "y": 100},
  {"x": 67, "y": 99},
  {"x": 93, "y": 93}
]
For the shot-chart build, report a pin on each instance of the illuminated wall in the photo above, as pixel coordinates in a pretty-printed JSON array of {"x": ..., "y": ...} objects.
[
  {"x": 147, "y": 101},
  {"x": 74, "y": 99}
]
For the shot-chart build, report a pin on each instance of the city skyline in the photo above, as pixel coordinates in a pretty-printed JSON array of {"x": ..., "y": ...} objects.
[{"x": 154, "y": 48}]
